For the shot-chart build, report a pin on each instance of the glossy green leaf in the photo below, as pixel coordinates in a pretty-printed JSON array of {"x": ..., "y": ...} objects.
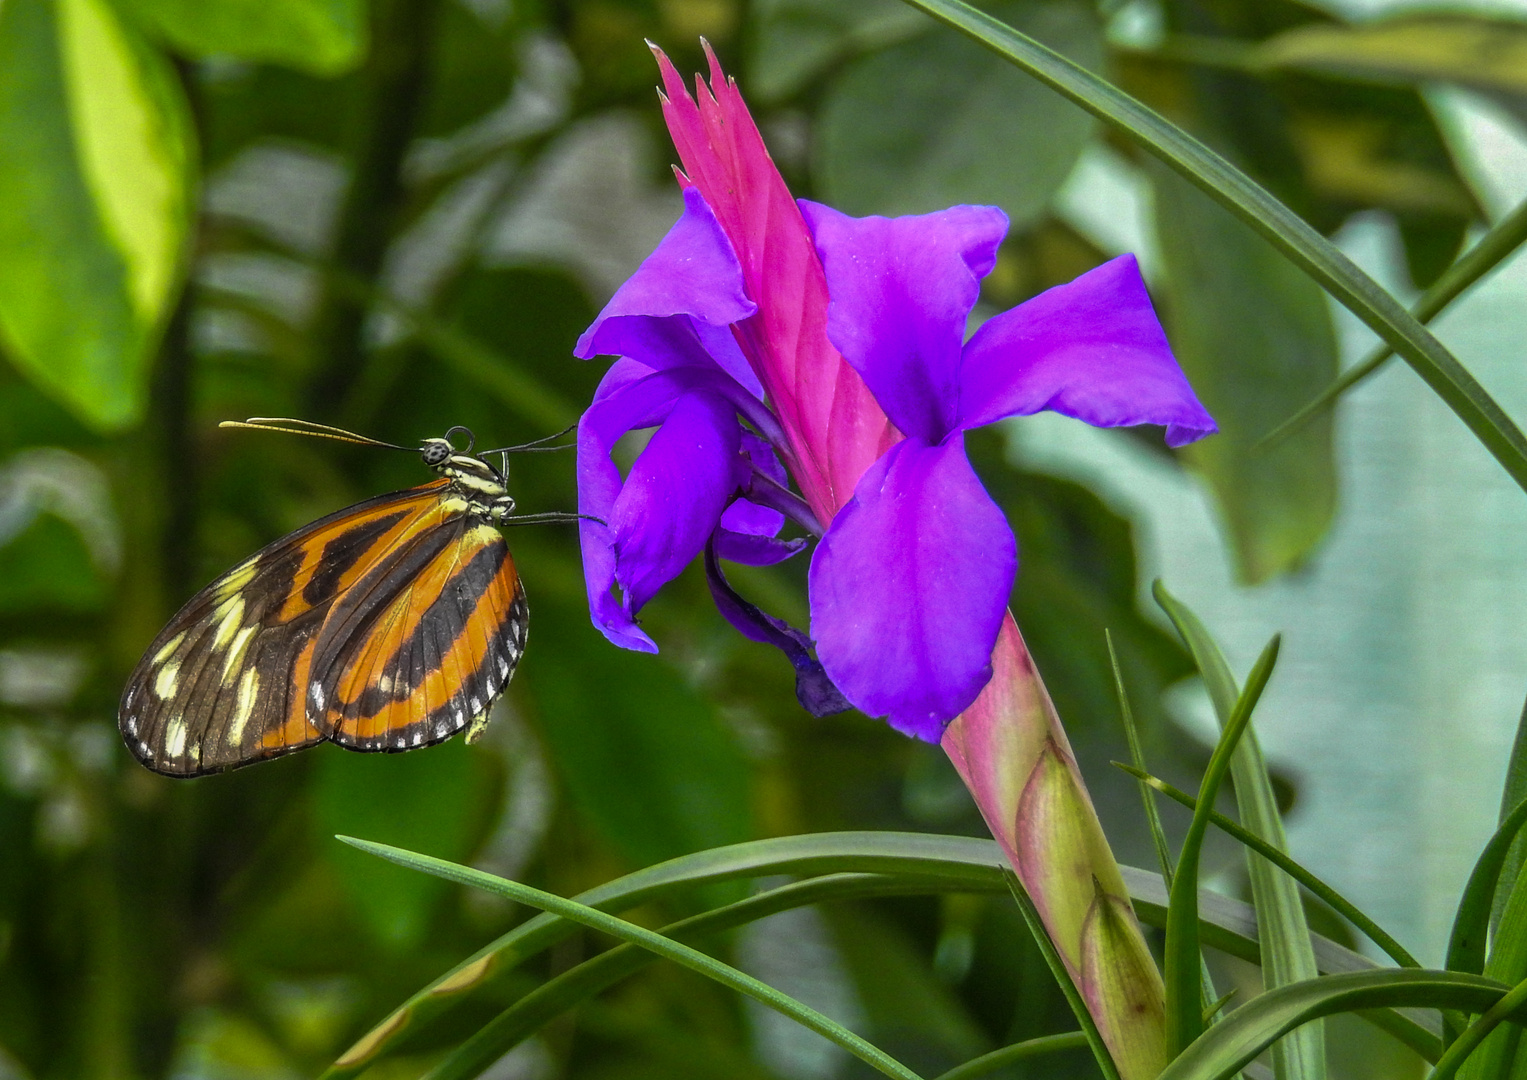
[
  {"x": 95, "y": 195},
  {"x": 643, "y": 755},
  {"x": 1287, "y": 956},
  {"x": 936, "y": 120},
  {"x": 1475, "y": 50},
  {"x": 1255, "y": 337},
  {"x": 1290, "y": 234},
  {"x": 402, "y": 797},
  {"x": 1257, "y": 1025},
  {"x": 1185, "y": 1020},
  {"x": 324, "y": 37},
  {"x": 650, "y": 940}
]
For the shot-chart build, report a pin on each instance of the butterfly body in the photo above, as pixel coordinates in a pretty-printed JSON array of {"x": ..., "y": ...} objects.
[{"x": 387, "y": 626}]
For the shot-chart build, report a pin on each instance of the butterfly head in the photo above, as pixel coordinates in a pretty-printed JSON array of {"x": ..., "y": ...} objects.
[{"x": 474, "y": 478}]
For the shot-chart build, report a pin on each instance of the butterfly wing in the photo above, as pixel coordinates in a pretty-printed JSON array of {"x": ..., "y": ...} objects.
[
  {"x": 224, "y": 684},
  {"x": 423, "y": 643}
]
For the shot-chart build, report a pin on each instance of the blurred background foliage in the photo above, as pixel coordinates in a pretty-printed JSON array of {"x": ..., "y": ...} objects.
[{"x": 397, "y": 215}]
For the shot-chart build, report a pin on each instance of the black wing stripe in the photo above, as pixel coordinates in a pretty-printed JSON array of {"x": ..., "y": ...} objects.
[{"x": 342, "y": 553}]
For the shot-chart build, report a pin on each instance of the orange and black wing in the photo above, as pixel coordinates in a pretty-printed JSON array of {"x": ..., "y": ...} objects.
[
  {"x": 422, "y": 644},
  {"x": 225, "y": 683}
]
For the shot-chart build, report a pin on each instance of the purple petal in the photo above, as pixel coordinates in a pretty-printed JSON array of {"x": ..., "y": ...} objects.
[
  {"x": 813, "y": 689},
  {"x": 753, "y": 550},
  {"x": 673, "y": 499},
  {"x": 748, "y": 517},
  {"x": 901, "y": 290},
  {"x": 598, "y": 487},
  {"x": 1092, "y": 349},
  {"x": 692, "y": 272},
  {"x": 909, "y": 588}
]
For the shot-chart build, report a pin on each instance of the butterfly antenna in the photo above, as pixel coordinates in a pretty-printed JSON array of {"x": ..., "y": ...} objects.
[
  {"x": 535, "y": 443},
  {"x": 308, "y": 427}
]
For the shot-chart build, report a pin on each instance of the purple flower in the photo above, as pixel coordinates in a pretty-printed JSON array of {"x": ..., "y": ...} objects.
[
  {"x": 764, "y": 343},
  {"x": 909, "y": 585}
]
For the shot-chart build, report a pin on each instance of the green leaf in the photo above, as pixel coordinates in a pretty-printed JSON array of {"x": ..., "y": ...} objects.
[
  {"x": 1255, "y": 338},
  {"x": 399, "y": 797},
  {"x": 325, "y": 37},
  {"x": 1029, "y": 1048},
  {"x": 95, "y": 197},
  {"x": 654, "y": 942},
  {"x": 1466, "y": 944},
  {"x": 1137, "y": 755},
  {"x": 936, "y": 120},
  {"x": 1287, "y": 956},
  {"x": 1470, "y": 49},
  {"x": 1477, "y": 1032},
  {"x": 1498, "y": 1054},
  {"x": 1235, "y": 1041},
  {"x": 643, "y": 755},
  {"x": 1185, "y": 1019},
  {"x": 1513, "y": 793},
  {"x": 947, "y": 863},
  {"x": 576, "y": 985},
  {"x": 1338, "y": 902},
  {"x": 1294, "y": 237},
  {"x": 1491, "y": 250}
]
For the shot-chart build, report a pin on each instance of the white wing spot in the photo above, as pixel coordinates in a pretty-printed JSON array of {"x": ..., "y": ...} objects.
[
  {"x": 442, "y": 729},
  {"x": 315, "y": 693},
  {"x": 476, "y": 705},
  {"x": 175, "y": 737},
  {"x": 418, "y": 737}
]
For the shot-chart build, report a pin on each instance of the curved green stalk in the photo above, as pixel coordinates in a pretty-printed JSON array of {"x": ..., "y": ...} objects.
[
  {"x": 1235, "y": 1041},
  {"x": 1505, "y": 1009},
  {"x": 1466, "y": 945},
  {"x": 1339, "y": 903},
  {"x": 1479, "y": 260},
  {"x": 667, "y": 948},
  {"x": 567, "y": 990},
  {"x": 1029, "y": 1048},
  {"x": 1250, "y": 202},
  {"x": 1184, "y": 1014}
]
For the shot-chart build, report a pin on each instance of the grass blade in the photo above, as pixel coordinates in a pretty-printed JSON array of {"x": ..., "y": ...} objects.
[
  {"x": 1291, "y": 234},
  {"x": 1147, "y": 795},
  {"x": 1260, "y": 1023},
  {"x": 667, "y": 948},
  {"x": 1466, "y": 946},
  {"x": 1029, "y": 1048},
  {"x": 1287, "y": 956},
  {"x": 1504, "y": 1009},
  {"x": 936, "y": 863},
  {"x": 1185, "y": 1019},
  {"x": 1512, "y": 792},
  {"x": 1062, "y": 976},
  {"x": 576, "y": 985},
  {"x": 1339, "y": 903},
  {"x": 1479, "y": 260}
]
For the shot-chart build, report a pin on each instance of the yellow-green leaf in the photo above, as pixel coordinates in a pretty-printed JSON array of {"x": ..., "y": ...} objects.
[
  {"x": 94, "y": 203},
  {"x": 1489, "y": 53},
  {"x": 325, "y": 37}
]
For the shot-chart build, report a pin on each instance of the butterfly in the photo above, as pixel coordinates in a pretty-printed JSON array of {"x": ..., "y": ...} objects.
[{"x": 387, "y": 626}]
